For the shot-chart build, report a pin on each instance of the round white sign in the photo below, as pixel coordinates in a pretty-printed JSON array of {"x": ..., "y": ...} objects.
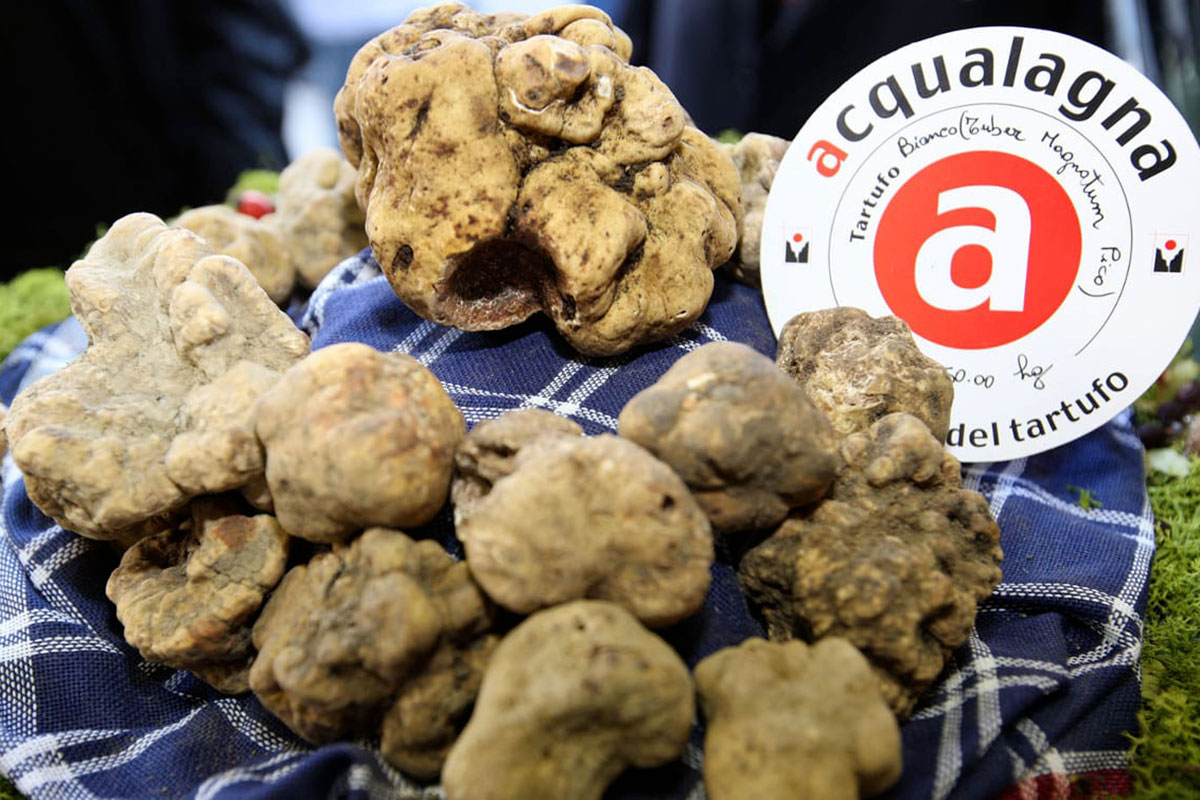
[{"x": 1024, "y": 201}]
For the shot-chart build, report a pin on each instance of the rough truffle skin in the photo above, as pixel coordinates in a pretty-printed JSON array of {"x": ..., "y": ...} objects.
[
  {"x": 573, "y": 696},
  {"x": 790, "y": 720},
  {"x": 355, "y": 438},
  {"x": 255, "y": 243},
  {"x": 317, "y": 214},
  {"x": 383, "y": 631},
  {"x": 512, "y": 165},
  {"x": 858, "y": 368},
  {"x": 113, "y": 444},
  {"x": 490, "y": 449},
  {"x": 744, "y": 437},
  {"x": 895, "y": 560},
  {"x": 188, "y": 597},
  {"x": 594, "y": 517},
  {"x": 756, "y": 157}
]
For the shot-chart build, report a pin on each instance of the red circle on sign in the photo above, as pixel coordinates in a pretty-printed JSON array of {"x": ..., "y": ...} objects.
[{"x": 977, "y": 250}]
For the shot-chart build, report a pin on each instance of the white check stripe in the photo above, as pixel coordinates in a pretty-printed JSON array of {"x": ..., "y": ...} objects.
[
  {"x": 18, "y": 698},
  {"x": 267, "y": 771},
  {"x": 22, "y": 621},
  {"x": 35, "y": 779},
  {"x": 1027, "y": 681},
  {"x": 948, "y": 765},
  {"x": 1095, "y": 760},
  {"x": 414, "y": 338},
  {"x": 563, "y": 376},
  {"x": 1107, "y": 516},
  {"x": 55, "y": 645},
  {"x": 709, "y": 332},
  {"x": 1049, "y": 762},
  {"x": 255, "y": 730},
  {"x": 448, "y": 337},
  {"x": 52, "y": 536},
  {"x": 989, "y": 720},
  {"x": 403, "y": 787},
  {"x": 70, "y": 547}
]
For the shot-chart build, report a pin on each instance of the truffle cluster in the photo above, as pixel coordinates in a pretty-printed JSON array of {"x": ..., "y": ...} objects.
[{"x": 507, "y": 165}]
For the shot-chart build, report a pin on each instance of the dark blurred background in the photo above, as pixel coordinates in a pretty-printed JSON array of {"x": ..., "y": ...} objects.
[{"x": 154, "y": 105}]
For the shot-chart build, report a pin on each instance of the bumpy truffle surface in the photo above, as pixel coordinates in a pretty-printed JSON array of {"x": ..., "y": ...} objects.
[
  {"x": 895, "y": 560},
  {"x": 384, "y": 630},
  {"x": 256, "y": 244},
  {"x": 115, "y": 442},
  {"x": 355, "y": 438},
  {"x": 317, "y": 214},
  {"x": 188, "y": 597},
  {"x": 796, "y": 721},
  {"x": 490, "y": 449},
  {"x": 573, "y": 696},
  {"x": 512, "y": 165},
  {"x": 744, "y": 437},
  {"x": 858, "y": 368},
  {"x": 594, "y": 517},
  {"x": 757, "y": 157}
]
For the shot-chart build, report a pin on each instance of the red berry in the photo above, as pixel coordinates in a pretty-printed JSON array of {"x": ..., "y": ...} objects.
[{"x": 255, "y": 203}]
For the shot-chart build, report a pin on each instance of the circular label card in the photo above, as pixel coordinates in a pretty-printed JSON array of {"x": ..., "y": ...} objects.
[{"x": 1024, "y": 201}]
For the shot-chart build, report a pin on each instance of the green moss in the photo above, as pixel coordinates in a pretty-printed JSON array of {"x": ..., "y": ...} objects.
[
  {"x": 263, "y": 180},
  {"x": 1182, "y": 369},
  {"x": 8, "y": 791},
  {"x": 1166, "y": 752},
  {"x": 30, "y": 301},
  {"x": 1087, "y": 501},
  {"x": 729, "y": 136}
]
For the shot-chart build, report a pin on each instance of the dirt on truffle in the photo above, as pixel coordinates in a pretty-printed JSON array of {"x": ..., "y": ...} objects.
[
  {"x": 384, "y": 633},
  {"x": 743, "y": 435},
  {"x": 896, "y": 559},
  {"x": 857, "y": 368}
]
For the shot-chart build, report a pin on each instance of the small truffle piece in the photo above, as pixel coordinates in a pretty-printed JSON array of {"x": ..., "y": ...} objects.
[
  {"x": 488, "y": 452},
  {"x": 430, "y": 709},
  {"x": 744, "y": 437},
  {"x": 188, "y": 597},
  {"x": 511, "y": 165},
  {"x": 253, "y": 242},
  {"x": 790, "y": 720},
  {"x": 177, "y": 335},
  {"x": 573, "y": 696},
  {"x": 896, "y": 559},
  {"x": 594, "y": 517},
  {"x": 355, "y": 438},
  {"x": 756, "y": 157},
  {"x": 317, "y": 214},
  {"x": 857, "y": 369},
  {"x": 382, "y": 631}
]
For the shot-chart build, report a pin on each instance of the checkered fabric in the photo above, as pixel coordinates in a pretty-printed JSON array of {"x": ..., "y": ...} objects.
[{"x": 1040, "y": 695}]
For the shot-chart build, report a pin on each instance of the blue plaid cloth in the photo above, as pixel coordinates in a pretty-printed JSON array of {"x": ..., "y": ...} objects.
[{"x": 1046, "y": 686}]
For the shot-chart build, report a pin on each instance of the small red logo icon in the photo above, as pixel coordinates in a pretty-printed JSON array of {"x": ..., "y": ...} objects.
[
  {"x": 1168, "y": 254},
  {"x": 797, "y": 254}
]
